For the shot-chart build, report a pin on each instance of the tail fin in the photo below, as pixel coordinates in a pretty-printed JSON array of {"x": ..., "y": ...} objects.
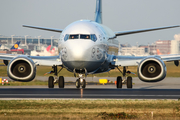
[
  {"x": 52, "y": 51},
  {"x": 16, "y": 45},
  {"x": 98, "y": 12},
  {"x": 48, "y": 48},
  {"x": 158, "y": 52}
]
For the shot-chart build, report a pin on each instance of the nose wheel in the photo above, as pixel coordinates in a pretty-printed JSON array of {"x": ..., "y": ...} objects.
[
  {"x": 77, "y": 83},
  {"x": 80, "y": 82},
  {"x": 83, "y": 83}
]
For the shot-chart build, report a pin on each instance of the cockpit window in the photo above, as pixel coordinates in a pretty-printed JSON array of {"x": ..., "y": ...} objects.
[
  {"x": 93, "y": 37},
  {"x": 84, "y": 36},
  {"x": 66, "y": 37},
  {"x": 74, "y": 36}
]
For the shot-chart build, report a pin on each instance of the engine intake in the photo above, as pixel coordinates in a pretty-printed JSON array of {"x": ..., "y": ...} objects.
[
  {"x": 21, "y": 69},
  {"x": 151, "y": 69}
]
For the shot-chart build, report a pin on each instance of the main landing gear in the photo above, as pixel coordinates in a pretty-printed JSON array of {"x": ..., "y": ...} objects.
[
  {"x": 80, "y": 82},
  {"x": 125, "y": 80},
  {"x": 53, "y": 80}
]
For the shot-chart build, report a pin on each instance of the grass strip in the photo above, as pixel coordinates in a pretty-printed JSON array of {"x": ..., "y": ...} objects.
[{"x": 89, "y": 109}]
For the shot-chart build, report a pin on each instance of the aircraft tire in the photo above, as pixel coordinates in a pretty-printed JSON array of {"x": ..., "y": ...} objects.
[
  {"x": 129, "y": 82},
  {"x": 51, "y": 82},
  {"x": 77, "y": 83},
  {"x": 84, "y": 83},
  {"x": 119, "y": 82},
  {"x": 61, "y": 82}
]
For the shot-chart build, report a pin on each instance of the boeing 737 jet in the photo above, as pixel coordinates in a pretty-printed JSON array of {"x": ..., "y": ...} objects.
[{"x": 84, "y": 49}]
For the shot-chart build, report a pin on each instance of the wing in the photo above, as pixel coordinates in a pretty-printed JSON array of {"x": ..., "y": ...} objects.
[
  {"x": 120, "y": 33},
  {"x": 46, "y": 60},
  {"x": 44, "y": 28},
  {"x": 135, "y": 60},
  {"x": 38, "y": 60},
  {"x": 127, "y": 60}
]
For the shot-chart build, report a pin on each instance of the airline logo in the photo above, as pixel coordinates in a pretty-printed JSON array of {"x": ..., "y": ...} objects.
[{"x": 16, "y": 45}]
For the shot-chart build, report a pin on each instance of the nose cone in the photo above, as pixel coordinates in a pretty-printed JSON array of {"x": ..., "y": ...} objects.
[
  {"x": 79, "y": 56},
  {"x": 79, "y": 50}
]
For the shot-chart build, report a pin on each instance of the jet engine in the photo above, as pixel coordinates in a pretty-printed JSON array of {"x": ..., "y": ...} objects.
[
  {"x": 151, "y": 69},
  {"x": 22, "y": 69}
]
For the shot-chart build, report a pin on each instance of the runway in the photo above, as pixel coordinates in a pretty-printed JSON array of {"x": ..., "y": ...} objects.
[
  {"x": 89, "y": 93},
  {"x": 169, "y": 88}
]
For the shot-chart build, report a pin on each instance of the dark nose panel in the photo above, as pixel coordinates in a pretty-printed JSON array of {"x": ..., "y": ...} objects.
[{"x": 90, "y": 66}]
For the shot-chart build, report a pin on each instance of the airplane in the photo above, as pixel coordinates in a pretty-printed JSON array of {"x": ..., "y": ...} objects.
[
  {"x": 46, "y": 52},
  {"x": 83, "y": 49},
  {"x": 14, "y": 47}
]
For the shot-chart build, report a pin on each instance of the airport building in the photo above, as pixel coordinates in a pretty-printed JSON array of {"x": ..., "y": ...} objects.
[
  {"x": 28, "y": 43},
  {"x": 152, "y": 49},
  {"x": 134, "y": 51},
  {"x": 163, "y": 47},
  {"x": 160, "y": 47},
  {"x": 175, "y": 46}
]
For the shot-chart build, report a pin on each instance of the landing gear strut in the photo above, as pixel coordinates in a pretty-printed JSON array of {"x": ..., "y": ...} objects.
[
  {"x": 80, "y": 82},
  {"x": 53, "y": 80},
  {"x": 125, "y": 80}
]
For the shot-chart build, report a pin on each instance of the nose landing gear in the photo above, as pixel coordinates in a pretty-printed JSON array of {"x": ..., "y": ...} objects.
[{"x": 80, "y": 82}]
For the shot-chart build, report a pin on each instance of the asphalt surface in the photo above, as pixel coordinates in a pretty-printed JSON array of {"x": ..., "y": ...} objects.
[
  {"x": 90, "y": 93},
  {"x": 169, "y": 88}
]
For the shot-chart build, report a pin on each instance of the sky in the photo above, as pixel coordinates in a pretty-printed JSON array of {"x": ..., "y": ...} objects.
[{"x": 119, "y": 15}]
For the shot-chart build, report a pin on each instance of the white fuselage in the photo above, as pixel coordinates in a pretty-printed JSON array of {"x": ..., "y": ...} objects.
[{"x": 84, "y": 46}]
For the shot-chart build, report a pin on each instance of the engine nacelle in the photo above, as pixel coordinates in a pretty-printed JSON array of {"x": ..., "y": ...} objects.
[
  {"x": 151, "y": 69},
  {"x": 22, "y": 69}
]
